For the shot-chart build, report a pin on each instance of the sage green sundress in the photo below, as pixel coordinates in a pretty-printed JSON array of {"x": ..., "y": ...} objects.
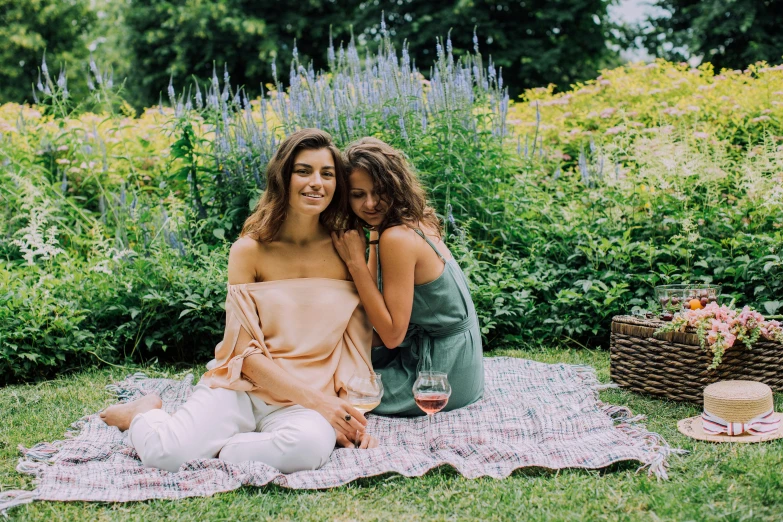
[{"x": 443, "y": 336}]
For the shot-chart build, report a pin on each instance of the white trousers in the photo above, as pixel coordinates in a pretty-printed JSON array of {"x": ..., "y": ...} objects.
[{"x": 236, "y": 427}]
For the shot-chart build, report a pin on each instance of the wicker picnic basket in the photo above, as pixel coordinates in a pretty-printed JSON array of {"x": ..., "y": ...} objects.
[{"x": 674, "y": 366}]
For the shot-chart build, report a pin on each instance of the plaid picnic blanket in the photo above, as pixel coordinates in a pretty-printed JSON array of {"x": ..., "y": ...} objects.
[{"x": 532, "y": 414}]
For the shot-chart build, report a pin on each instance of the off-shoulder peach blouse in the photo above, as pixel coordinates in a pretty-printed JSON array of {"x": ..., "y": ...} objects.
[{"x": 313, "y": 328}]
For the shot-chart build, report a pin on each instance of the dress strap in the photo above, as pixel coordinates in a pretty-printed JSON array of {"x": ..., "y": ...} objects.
[
  {"x": 430, "y": 243},
  {"x": 378, "y": 267}
]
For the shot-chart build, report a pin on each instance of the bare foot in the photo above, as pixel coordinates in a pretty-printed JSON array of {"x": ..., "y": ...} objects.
[{"x": 121, "y": 415}]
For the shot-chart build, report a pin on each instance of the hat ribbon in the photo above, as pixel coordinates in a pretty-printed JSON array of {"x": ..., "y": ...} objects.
[{"x": 760, "y": 425}]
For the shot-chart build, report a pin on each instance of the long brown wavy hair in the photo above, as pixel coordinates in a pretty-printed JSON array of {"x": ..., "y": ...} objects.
[
  {"x": 394, "y": 182},
  {"x": 272, "y": 208}
]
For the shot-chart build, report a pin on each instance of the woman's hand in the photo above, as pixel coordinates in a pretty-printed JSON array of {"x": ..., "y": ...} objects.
[
  {"x": 366, "y": 441},
  {"x": 351, "y": 247},
  {"x": 335, "y": 410}
]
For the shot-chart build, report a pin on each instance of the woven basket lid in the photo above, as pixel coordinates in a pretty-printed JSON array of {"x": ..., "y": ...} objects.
[{"x": 737, "y": 401}]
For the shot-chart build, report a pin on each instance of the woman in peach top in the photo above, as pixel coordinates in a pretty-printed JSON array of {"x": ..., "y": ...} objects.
[{"x": 295, "y": 334}]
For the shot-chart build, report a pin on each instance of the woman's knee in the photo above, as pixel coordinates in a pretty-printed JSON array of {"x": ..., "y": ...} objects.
[
  {"x": 160, "y": 457},
  {"x": 308, "y": 447},
  {"x": 296, "y": 442},
  {"x": 306, "y": 441},
  {"x": 148, "y": 434}
]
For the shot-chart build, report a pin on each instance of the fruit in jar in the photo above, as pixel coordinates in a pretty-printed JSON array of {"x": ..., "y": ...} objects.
[
  {"x": 695, "y": 304},
  {"x": 704, "y": 301},
  {"x": 667, "y": 316}
]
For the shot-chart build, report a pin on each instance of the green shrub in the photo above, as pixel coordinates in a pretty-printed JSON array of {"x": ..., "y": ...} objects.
[
  {"x": 43, "y": 329},
  {"x": 61, "y": 315},
  {"x": 161, "y": 306}
]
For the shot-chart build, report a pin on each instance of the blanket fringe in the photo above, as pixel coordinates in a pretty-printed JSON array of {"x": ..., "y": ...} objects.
[
  {"x": 628, "y": 423},
  {"x": 14, "y": 498},
  {"x": 587, "y": 374},
  {"x": 125, "y": 391},
  {"x": 41, "y": 452},
  {"x": 36, "y": 459}
]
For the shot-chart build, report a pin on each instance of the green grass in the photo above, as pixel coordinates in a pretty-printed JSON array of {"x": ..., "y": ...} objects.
[{"x": 730, "y": 482}]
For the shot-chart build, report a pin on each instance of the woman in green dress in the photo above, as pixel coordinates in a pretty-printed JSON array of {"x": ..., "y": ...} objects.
[{"x": 413, "y": 291}]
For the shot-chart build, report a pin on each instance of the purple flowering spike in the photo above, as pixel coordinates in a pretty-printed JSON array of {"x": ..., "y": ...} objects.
[{"x": 61, "y": 79}]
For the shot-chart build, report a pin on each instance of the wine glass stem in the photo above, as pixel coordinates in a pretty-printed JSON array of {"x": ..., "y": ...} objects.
[{"x": 429, "y": 430}]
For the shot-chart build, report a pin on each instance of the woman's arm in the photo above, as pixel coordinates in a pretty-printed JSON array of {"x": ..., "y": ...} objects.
[
  {"x": 259, "y": 368},
  {"x": 265, "y": 374},
  {"x": 390, "y": 312}
]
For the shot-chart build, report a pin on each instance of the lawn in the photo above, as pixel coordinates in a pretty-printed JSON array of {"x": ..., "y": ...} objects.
[{"x": 714, "y": 482}]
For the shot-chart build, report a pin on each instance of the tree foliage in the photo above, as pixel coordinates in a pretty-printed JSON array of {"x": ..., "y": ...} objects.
[
  {"x": 178, "y": 38},
  {"x": 28, "y": 28},
  {"x": 536, "y": 42},
  {"x": 728, "y": 33}
]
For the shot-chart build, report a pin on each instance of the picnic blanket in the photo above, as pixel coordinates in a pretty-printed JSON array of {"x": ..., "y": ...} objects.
[{"x": 532, "y": 414}]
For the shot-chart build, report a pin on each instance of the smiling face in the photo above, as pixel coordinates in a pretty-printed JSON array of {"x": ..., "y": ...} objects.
[
  {"x": 313, "y": 181},
  {"x": 364, "y": 201}
]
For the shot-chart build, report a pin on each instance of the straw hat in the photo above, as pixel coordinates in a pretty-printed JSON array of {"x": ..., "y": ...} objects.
[{"x": 735, "y": 411}]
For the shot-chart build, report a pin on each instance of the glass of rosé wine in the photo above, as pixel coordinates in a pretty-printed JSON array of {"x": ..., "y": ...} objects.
[{"x": 431, "y": 392}]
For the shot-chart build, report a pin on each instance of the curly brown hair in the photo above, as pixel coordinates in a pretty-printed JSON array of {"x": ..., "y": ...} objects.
[
  {"x": 272, "y": 208},
  {"x": 395, "y": 183}
]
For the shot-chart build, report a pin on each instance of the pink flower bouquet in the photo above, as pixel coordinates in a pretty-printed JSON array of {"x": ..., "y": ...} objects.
[{"x": 720, "y": 327}]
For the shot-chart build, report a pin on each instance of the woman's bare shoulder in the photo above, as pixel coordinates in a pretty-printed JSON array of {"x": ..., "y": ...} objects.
[
  {"x": 398, "y": 235},
  {"x": 246, "y": 245},
  {"x": 243, "y": 258}
]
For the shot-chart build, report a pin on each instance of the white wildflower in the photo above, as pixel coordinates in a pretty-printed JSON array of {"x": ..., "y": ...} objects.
[
  {"x": 102, "y": 267},
  {"x": 37, "y": 242}
]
